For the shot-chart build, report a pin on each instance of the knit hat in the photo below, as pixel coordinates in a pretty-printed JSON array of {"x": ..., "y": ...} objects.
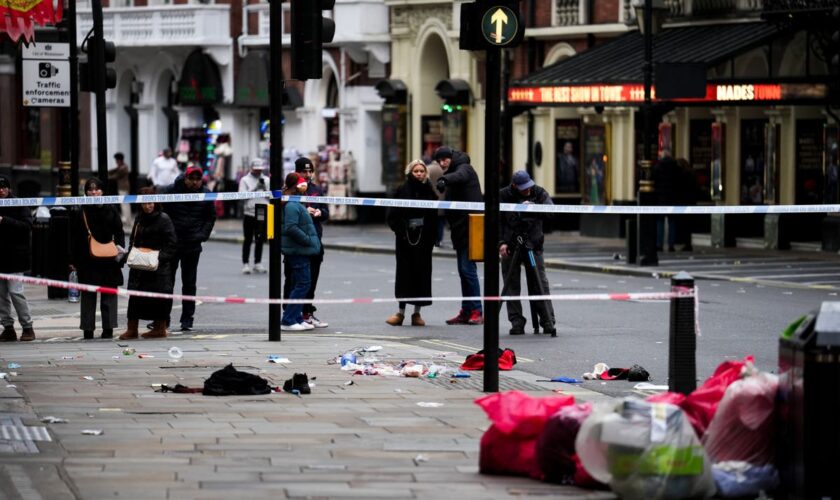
[{"x": 442, "y": 152}]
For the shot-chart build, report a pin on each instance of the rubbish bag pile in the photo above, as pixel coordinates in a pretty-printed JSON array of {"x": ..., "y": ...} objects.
[{"x": 718, "y": 440}]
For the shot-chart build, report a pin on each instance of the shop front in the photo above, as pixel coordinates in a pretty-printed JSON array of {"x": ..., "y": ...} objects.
[{"x": 761, "y": 135}]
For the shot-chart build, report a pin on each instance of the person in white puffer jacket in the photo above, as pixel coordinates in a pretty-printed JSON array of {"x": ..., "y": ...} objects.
[{"x": 254, "y": 181}]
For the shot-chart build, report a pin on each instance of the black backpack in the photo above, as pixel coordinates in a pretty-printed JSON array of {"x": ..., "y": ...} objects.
[{"x": 231, "y": 382}]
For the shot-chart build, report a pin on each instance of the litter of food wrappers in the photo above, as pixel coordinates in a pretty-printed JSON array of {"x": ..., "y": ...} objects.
[
  {"x": 359, "y": 362},
  {"x": 718, "y": 440}
]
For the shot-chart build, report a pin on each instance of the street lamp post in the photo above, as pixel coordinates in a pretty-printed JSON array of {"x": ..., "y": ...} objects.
[{"x": 649, "y": 14}]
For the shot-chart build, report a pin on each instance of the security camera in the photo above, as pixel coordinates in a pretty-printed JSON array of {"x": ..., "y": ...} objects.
[{"x": 47, "y": 70}]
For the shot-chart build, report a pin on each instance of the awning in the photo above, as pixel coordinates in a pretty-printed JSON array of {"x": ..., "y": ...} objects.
[
  {"x": 253, "y": 80},
  {"x": 454, "y": 91},
  {"x": 612, "y": 73},
  {"x": 393, "y": 91},
  {"x": 200, "y": 82}
]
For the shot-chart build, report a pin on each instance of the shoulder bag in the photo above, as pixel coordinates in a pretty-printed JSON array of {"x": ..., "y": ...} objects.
[
  {"x": 99, "y": 250},
  {"x": 140, "y": 258}
]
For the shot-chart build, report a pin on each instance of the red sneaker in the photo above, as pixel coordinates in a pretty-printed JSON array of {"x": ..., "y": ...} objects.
[
  {"x": 459, "y": 319},
  {"x": 476, "y": 318}
]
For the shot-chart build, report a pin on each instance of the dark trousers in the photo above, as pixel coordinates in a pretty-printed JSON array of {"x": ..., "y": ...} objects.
[
  {"x": 511, "y": 267},
  {"x": 189, "y": 274},
  {"x": 249, "y": 224},
  {"x": 314, "y": 271},
  {"x": 107, "y": 306}
]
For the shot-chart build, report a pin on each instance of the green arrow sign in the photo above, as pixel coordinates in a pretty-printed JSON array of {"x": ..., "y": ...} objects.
[{"x": 499, "y": 25}]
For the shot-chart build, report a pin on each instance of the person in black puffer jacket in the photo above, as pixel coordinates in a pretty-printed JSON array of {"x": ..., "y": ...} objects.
[
  {"x": 193, "y": 222},
  {"x": 459, "y": 182},
  {"x": 103, "y": 223},
  {"x": 15, "y": 229}
]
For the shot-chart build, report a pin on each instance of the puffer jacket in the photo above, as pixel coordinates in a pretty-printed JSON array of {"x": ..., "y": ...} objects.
[
  {"x": 527, "y": 224},
  {"x": 299, "y": 236},
  {"x": 157, "y": 232},
  {"x": 193, "y": 220},
  {"x": 15, "y": 231},
  {"x": 105, "y": 225},
  {"x": 461, "y": 185}
]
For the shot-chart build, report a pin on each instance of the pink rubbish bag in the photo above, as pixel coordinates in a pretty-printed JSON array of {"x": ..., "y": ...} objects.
[
  {"x": 509, "y": 445},
  {"x": 743, "y": 427},
  {"x": 700, "y": 406}
]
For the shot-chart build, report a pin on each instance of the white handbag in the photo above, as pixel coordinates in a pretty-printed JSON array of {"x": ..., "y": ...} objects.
[{"x": 143, "y": 259}]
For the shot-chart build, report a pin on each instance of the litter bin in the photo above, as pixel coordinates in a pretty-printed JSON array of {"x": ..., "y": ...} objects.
[
  {"x": 40, "y": 246},
  {"x": 58, "y": 258},
  {"x": 809, "y": 405}
]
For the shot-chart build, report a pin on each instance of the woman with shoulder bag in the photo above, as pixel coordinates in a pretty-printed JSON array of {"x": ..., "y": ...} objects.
[
  {"x": 152, "y": 249},
  {"x": 96, "y": 250},
  {"x": 415, "y": 230}
]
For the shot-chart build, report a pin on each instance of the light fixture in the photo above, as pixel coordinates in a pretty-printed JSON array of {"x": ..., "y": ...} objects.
[{"x": 659, "y": 10}]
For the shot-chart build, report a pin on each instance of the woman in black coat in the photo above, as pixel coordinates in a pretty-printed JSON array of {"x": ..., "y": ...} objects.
[
  {"x": 415, "y": 230},
  {"x": 103, "y": 223},
  {"x": 152, "y": 229}
]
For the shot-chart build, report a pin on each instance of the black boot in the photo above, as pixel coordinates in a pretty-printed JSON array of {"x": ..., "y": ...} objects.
[
  {"x": 107, "y": 333},
  {"x": 9, "y": 334},
  {"x": 88, "y": 334},
  {"x": 299, "y": 382}
]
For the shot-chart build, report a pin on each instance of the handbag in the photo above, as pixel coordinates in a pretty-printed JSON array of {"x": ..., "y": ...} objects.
[
  {"x": 100, "y": 250},
  {"x": 142, "y": 259}
]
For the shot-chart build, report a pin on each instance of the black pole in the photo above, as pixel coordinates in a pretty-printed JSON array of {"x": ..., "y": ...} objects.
[
  {"x": 275, "y": 287},
  {"x": 96, "y": 53},
  {"x": 647, "y": 223},
  {"x": 491, "y": 221},
  {"x": 73, "y": 125},
  {"x": 682, "y": 341}
]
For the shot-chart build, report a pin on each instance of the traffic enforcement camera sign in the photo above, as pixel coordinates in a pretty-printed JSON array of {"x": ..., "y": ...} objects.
[
  {"x": 46, "y": 75},
  {"x": 487, "y": 25}
]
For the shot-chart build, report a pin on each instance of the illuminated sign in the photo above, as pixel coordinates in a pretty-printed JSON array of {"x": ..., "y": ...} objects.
[{"x": 635, "y": 93}]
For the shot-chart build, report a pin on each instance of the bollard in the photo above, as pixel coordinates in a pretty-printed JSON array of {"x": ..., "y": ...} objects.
[
  {"x": 632, "y": 242},
  {"x": 682, "y": 341}
]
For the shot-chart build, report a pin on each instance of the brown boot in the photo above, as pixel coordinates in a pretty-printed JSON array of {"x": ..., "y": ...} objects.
[
  {"x": 27, "y": 334},
  {"x": 416, "y": 320},
  {"x": 396, "y": 319},
  {"x": 9, "y": 334},
  {"x": 158, "y": 330},
  {"x": 131, "y": 330}
]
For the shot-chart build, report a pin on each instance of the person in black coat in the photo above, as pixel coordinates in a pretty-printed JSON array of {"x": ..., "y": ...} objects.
[
  {"x": 415, "y": 230},
  {"x": 103, "y": 223},
  {"x": 460, "y": 183},
  {"x": 667, "y": 180},
  {"x": 15, "y": 229},
  {"x": 152, "y": 229},
  {"x": 193, "y": 222}
]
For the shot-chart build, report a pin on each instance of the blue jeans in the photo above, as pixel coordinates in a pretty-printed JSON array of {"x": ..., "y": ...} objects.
[
  {"x": 470, "y": 287},
  {"x": 660, "y": 230},
  {"x": 300, "y": 276}
]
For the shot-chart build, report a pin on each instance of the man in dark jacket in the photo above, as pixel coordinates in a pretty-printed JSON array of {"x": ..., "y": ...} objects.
[
  {"x": 522, "y": 233},
  {"x": 320, "y": 213},
  {"x": 460, "y": 183},
  {"x": 667, "y": 180},
  {"x": 15, "y": 228},
  {"x": 193, "y": 222}
]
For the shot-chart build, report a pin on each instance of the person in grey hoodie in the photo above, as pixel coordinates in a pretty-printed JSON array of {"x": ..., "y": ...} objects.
[{"x": 298, "y": 242}]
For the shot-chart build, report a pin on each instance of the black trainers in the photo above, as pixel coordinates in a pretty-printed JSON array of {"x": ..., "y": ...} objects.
[
  {"x": 107, "y": 333},
  {"x": 9, "y": 334},
  {"x": 299, "y": 382},
  {"x": 550, "y": 331},
  {"x": 517, "y": 330}
]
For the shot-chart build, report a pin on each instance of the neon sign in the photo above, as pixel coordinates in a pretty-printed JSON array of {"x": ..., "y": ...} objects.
[{"x": 635, "y": 93}]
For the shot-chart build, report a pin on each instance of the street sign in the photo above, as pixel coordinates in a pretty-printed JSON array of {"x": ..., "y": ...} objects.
[
  {"x": 46, "y": 75},
  {"x": 500, "y": 25}
]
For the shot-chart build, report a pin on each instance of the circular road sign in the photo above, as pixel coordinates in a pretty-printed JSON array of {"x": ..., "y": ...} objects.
[{"x": 499, "y": 25}]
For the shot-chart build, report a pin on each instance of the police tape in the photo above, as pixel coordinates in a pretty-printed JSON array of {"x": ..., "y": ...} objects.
[
  {"x": 675, "y": 293},
  {"x": 423, "y": 204}
]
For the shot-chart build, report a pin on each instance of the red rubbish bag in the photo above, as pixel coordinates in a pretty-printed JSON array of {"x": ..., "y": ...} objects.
[
  {"x": 700, "y": 406},
  {"x": 509, "y": 446}
]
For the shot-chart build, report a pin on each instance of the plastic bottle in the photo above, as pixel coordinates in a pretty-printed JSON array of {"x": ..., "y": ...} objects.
[{"x": 73, "y": 293}]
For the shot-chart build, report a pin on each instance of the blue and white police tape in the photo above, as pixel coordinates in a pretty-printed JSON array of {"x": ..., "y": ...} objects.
[{"x": 427, "y": 204}]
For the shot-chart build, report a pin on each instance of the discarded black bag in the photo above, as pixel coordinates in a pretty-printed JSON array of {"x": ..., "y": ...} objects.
[{"x": 231, "y": 382}]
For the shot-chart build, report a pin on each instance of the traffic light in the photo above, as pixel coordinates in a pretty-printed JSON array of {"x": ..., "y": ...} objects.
[
  {"x": 87, "y": 71},
  {"x": 491, "y": 24},
  {"x": 309, "y": 32}
]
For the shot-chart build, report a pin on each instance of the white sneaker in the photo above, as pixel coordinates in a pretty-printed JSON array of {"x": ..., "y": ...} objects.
[
  {"x": 306, "y": 326},
  {"x": 297, "y": 327},
  {"x": 246, "y": 269},
  {"x": 315, "y": 322},
  {"x": 259, "y": 269}
]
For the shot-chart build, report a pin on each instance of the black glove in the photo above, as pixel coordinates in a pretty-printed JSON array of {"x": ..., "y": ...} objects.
[{"x": 441, "y": 185}]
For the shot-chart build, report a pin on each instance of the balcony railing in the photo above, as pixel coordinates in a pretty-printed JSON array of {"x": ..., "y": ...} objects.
[
  {"x": 567, "y": 12},
  {"x": 167, "y": 25},
  {"x": 688, "y": 8}
]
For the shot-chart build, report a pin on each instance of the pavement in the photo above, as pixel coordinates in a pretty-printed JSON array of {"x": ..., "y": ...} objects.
[{"x": 370, "y": 438}]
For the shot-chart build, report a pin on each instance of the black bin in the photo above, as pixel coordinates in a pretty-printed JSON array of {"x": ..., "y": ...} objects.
[
  {"x": 40, "y": 246},
  {"x": 58, "y": 257},
  {"x": 809, "y": 406}
]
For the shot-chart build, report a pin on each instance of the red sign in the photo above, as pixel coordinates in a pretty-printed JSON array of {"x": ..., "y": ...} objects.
[
  {"x": 19, "y": 17},
  {"x": 635, "y": 93}
]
